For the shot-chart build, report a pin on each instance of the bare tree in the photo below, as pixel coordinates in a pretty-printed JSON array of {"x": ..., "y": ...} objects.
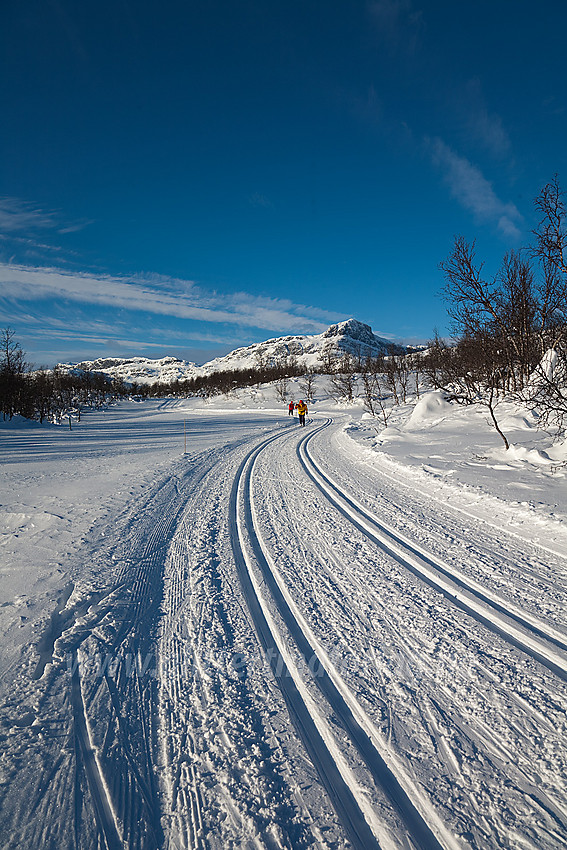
[
  {"x": 386, "y": 409},
  {"x": 42, "y": 388},
  {"x": 13, "y": 368},
  {"x": 358, "y": 357},
  {"x": 415, "y": 363},
  {"x": 282, "y": 388},
  {"x": 369, "y": 384},
  {"x": 328, "y": 359},
  {"x": 505, "y": 325},
  {"x": 399, "y": 374},
  {"x": 375, "y": 388},
  {"x": 524, "y": 307},
  {"x": 471, "y": 372},
  {"x": 390, "y": 374},
  {"x": 343, "y": 380},
  {"x": 307, "y": 385},
  {"x": 551, "y": 233},
  {"x": 546, "y": 391},
  {"x": 12, "y": 356}
]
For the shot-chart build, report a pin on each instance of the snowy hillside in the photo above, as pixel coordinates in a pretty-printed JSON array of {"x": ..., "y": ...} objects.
[
  {"x": 138, "y": 370},
  {"x": 351, "y": 336}
]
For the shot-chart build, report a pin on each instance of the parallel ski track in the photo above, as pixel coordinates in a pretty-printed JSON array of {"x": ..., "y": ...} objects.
[
  {"x": 104, "y": 814},
  {"x": 533, "y": 637},
  {"x": 112, "y": 704},
  {"x": 340, "y": 793},
  {"x": 119, "y": 772}
]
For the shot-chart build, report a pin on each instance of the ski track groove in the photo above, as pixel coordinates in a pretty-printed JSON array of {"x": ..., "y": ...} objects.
[
  {"x": 397, "y": 546},
  {"x": 308, "y": 589},
  {"x": 105, "y": 816},
  {"x": 536, "y": 579},
  {"x": 215, "y": 746},
  {"x": 106, "y": 639},
  {"x": 421, "y": 834}
]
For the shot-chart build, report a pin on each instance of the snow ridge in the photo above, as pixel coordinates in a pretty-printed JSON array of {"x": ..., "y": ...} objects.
[{"x": 351, "y": 336}]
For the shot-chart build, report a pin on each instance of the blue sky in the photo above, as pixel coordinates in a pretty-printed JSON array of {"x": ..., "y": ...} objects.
[{"x": 186, "y": 177}]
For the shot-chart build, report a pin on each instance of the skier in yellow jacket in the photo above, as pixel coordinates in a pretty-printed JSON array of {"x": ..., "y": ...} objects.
[{"x": 302, "y": 412}]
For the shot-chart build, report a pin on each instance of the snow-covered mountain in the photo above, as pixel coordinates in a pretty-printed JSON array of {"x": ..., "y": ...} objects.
[
  {"x": 139, "y": 370},
  {"x": 351, "y": 336}
]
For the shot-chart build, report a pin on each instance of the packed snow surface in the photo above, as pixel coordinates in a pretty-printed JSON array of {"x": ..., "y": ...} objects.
[{"x": 222, "y": 630}]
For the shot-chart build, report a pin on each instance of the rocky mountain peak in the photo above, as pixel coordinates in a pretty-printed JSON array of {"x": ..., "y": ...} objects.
[
  {"x": 355, "y": 337},
  {"x": 350, "y": 336}
]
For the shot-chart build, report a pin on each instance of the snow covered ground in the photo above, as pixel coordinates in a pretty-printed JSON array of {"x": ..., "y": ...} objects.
[{"x": 220, "y": 630}]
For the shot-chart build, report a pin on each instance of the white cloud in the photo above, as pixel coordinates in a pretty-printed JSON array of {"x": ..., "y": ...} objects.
[
  {"x": 174, "y": 298},
  {"x": 399, "y": 24},
  {"x": 489, "y": 131},
  {"x": 483, "y": 126},
  {"x": 473, "y": 191},
  {"x": 25, "y": 229},
  {"x": 17, "y": 215}
]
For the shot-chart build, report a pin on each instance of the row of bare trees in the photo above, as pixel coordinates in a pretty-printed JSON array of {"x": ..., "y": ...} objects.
[
  {"x": 381, "y": 381},
  {"x": 223, "y": 382},
  {"x": 48, "y": 394},
  {"x": 511, "y": 329},
  {"x": 509, "y": 333}
]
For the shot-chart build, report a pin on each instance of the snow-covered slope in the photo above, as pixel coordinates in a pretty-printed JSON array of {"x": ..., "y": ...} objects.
[
  {"x": 139, "y": 370},
  {"x": 351, "y": 336},
  {"x": 411, "y": 582}
]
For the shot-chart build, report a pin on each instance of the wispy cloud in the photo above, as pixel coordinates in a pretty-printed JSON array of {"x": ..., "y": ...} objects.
[
  {"x": 26, "y": 229},
  {"x": 75, "y": 333},
  {"x": 260, "y": 200},
  {"x": 366, "y": 106},
  {"x": 398, "y": 22},
  {"x": 484, "y": 127},
  {"x": 488, "y": 129},
  {"x": 168, "y": 297},
  {"x": 473, "y": 191},
  {"x": 17, "y": 215}
]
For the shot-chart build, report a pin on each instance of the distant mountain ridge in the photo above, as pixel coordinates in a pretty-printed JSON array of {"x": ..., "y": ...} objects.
[
  {"x": 138, "y": 370},
  {"x": 350, "y": 336}
]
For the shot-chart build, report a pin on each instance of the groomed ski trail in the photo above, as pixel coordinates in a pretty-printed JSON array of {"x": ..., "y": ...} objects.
[
  {"x": 289, "y": 518},
  {"x": 537, "y": 638},
  {"x": 280, "y": 649}
]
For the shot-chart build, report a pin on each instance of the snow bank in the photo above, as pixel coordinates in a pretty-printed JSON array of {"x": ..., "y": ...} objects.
[
  {"x": 454, "y": 453},
  {"x": 530, "y": 455},
  {"x": 431, "y": 409}
]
